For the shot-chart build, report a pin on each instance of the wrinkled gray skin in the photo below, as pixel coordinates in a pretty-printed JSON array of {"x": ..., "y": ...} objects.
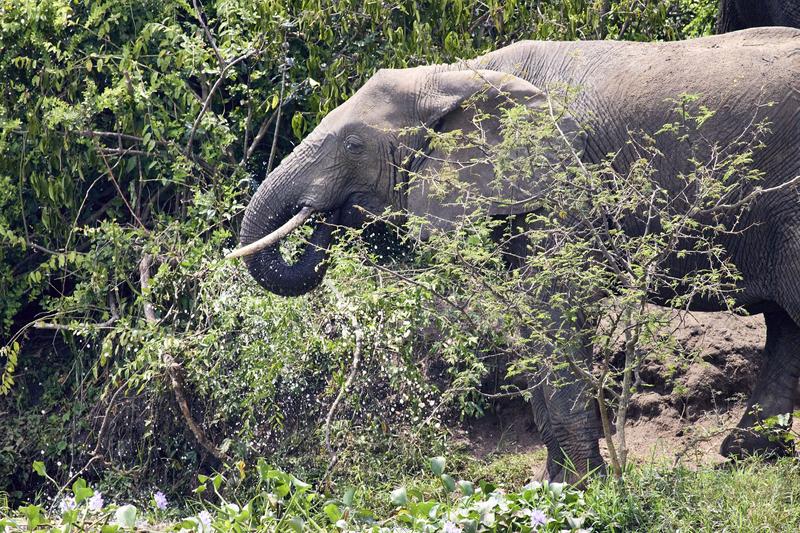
[
  {"x": 352, "y": 158},
  {"x": 742, "y": 14}
]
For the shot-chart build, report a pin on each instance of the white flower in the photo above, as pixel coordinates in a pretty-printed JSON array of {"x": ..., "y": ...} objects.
[
  {"x": 67, "y": 504},
  {"x": 451, "y": 527},
  {"x": 204, "y": 520},
  {"x": 538, "y": 518},
  {"x": 160, "y": 499},
  {"x": 96, "y": 501}
]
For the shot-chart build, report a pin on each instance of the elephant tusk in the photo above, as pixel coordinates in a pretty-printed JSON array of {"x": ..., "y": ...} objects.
[{"x": 268, "y": 240}]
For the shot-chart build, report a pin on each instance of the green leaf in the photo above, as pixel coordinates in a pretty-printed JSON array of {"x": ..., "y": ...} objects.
[
  {"x": 437, "y": 465},
  {"x": 302, "y": 486},
  {"x": 70, "y": 517},
  {"x": 332, "y": 512},
  {"x": 38, "y": 467},
  {"x": 399, "y": 497},
  {"x": 349, "y": 494},
  {"x": 33, "y": 515},
  {"x": 126, "y": 516},
  {"x": 298, "y": 125},
  {"x": 466, "y": 488},
  {"x": 297, "y": 525},
  {"x": 82, "y": 494},
  {"x": 448, "y": 482},
  {"x": 282, "y": 489}
]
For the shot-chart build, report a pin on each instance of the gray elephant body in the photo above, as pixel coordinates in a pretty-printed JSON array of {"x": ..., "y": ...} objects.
[
  {"x": 737, "y": 15},
  {"x": 353, "y": 158},
  {"x": 631, "y": 87},
  {"x": 627, "y": 87}
]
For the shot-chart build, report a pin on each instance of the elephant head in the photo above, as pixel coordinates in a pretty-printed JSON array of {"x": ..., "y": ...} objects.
[{"x": 355, "y": 161}]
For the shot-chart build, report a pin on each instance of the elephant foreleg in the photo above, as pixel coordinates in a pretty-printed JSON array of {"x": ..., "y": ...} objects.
[
  {"x": 569, "y": 426},
  {"x": 774, "y": 391},
  {"x": 555, "y": 454}
]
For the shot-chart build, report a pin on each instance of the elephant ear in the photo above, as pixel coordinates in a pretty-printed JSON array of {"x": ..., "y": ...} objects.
[{"x": 444, "y": 178}]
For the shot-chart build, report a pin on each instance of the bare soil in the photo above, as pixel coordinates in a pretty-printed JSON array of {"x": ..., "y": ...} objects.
[{"x": 688, "y": 405}]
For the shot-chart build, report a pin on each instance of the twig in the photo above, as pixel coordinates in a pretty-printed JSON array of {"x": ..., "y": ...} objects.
[
  {"x": 64, "y": 327},
  {"x": 277, "y": 124},
  {"x": 104, "y": 424},
  {"x": 119, "y": 190},
  {"x": 42, "y": 249},
  {"x": 359, "y": 334},
  {"x": 259, "y": 136},
  {"x": 209, "y": 36},
  {"x": 750, "y": 197},
  {"x": 207, "y": 102}
]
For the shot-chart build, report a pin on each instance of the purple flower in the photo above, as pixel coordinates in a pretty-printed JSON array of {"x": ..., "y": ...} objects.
[
  {"x": 204, "y": 517},
  {"x": 451, "y": 527},
  {"x": 67, "y": 504},
  {"x": 160, "y": 499},
  {"x": 538, "y": 518},
  {"x": 96, "y": 501}
]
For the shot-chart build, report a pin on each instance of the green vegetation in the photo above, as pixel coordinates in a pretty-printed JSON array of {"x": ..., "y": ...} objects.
[
  {"x": 747, "y": 496},
  {"x": 133, "y": 357}
]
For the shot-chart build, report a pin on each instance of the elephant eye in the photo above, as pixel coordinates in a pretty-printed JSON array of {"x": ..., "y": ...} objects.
[{"x": 353, "y": 144}]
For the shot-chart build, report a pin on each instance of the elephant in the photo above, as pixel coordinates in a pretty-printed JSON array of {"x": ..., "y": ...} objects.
[
  {"x": 742, "y": 14},
  {"x": 354, "y": 159}
]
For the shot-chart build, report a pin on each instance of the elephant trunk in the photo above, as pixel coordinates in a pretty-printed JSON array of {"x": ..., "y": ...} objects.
[{"x": 273, "y": 205}]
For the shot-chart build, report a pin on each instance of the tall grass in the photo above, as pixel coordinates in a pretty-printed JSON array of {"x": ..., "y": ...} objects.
[{"x": 743, "y": 496}]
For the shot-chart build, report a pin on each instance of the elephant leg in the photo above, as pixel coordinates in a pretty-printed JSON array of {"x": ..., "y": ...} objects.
[
  {"x": 774, "y": 391},
  {"x": 555, "y": 455},
  {"x": 575, "y": 426}
]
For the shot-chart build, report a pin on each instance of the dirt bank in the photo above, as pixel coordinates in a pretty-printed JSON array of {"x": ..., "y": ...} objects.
[{"x": 683, "y": 413}]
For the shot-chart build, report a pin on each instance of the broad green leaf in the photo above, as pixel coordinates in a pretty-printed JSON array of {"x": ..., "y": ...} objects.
[
  {"x": 399, "y": 497},
  {"x": 437, "y": 465}
]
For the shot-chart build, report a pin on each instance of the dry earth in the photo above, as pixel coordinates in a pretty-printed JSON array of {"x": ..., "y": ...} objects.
[{"x": 683, "y": 413}]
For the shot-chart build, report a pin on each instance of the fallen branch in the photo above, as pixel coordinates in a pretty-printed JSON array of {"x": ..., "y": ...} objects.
[{"x": 174, "y": 369}]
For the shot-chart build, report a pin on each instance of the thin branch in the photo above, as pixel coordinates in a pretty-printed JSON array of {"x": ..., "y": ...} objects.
[
  {"x": 211, "y": 92},
  {"x": 199, "y": 14},
  {"x": 277, "y": 124},
  {"x": 758, "y": 191},
  {"x": 262, "y": 131},
  {"x": 119, "y": 190},
  {"x": 359, "y": 335}
]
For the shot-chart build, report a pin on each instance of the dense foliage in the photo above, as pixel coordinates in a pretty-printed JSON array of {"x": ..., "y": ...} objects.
[{"x": 131, "y": 136}]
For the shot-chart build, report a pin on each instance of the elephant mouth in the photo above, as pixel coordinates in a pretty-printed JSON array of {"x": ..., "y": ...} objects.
[
  {"x": 274, "y": 237},
  {"x": 266, "y": 226},
  {"x": 348, "y": 214}
]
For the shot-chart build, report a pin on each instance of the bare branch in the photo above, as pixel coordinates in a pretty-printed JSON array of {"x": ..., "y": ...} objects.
[{"x": 212, "y": 92}]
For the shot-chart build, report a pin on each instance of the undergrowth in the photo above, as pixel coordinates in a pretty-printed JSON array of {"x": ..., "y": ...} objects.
[{"x": 750, "y": 495}]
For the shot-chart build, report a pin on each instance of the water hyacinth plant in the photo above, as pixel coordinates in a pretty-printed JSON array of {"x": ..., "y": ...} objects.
[
  {"x": 647, "y": 499},
  {"x": 160, "y": 500}
]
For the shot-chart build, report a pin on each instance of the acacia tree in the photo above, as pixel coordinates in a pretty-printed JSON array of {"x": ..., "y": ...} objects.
[{"x": 598, "y": 244}]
